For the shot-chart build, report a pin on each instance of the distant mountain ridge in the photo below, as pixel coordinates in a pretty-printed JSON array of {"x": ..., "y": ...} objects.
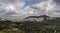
[{"x": 38, "y": 18}]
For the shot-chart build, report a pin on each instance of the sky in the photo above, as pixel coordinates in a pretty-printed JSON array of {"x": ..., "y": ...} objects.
[{"x": 19, "y": 9}]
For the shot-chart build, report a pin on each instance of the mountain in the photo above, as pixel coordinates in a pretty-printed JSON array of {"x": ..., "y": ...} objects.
[{"x": 38, "y": 18}]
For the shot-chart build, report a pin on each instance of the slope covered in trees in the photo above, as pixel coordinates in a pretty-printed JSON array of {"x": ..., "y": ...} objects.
[{"x": 46, "y": 26}]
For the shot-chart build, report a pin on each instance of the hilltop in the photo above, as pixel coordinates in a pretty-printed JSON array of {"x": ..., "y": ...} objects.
[
  {"x": 43, "y": 24},
  {"x": 38, "y": 18}
]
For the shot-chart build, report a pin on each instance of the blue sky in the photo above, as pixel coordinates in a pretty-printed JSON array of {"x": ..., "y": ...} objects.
[
  {"x": 31, "y": 2},
  {"x": 13, "y": 9}
]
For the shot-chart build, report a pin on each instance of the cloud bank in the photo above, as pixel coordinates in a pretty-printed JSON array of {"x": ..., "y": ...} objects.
[
  {"x": 18, "y": 9},
  {"x": 11, "y": 8},
  {"x": 48, "y": 7}
]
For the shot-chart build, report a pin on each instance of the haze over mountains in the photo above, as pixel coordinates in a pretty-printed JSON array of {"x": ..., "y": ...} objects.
[{"x": 40, "y": 18}]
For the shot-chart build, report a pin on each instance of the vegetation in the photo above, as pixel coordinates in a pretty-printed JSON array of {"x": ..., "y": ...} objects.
[{"x": 47, "y": 26}]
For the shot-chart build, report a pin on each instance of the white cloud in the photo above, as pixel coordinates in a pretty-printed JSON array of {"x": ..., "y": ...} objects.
[
  {"x": 15, "y": 8},
  {"x": 11, "y": 8},
  {"x": 11, "y": 5},
  {"x": 47, "y": 7}
]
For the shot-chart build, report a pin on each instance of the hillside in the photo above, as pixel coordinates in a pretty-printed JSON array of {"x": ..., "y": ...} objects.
[
  {"x": 45, "y": 26},
  {"x": 40, "y": 18}
]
